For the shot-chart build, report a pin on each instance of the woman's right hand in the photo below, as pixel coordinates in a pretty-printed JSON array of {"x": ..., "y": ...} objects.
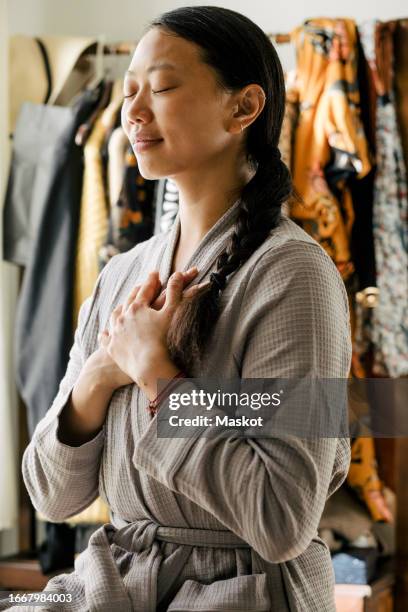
[
  {"x": 102, "y": 369},
  {"x": 85, "y": 411}
]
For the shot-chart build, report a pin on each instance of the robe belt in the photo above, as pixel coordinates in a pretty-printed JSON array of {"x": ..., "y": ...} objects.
[
  {"x": 115, "y": 580},
  {"x": 146, "y": 531}
]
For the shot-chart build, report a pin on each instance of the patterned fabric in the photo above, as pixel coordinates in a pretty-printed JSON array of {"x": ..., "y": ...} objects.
[
  {"x": 290, "y": 119},
  {"x": 93, "y": 218},
  {"x": 363, "y": 478},
  {"x": 389, "y": 324},
  {"x": 93, "y": 221},
  {"x": 401, "y": 82},
  {"x": 330, "y": 145},
  {"x": 284, "y": 313},
  {"x": 166, "y": 205},
  {"x": 131, "y": 218}
]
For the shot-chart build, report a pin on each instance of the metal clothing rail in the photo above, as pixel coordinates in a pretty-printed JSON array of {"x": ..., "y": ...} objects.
[{"x": 126, "y": 48}]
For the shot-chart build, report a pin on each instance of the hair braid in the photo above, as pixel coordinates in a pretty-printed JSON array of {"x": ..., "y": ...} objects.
[{"x": 253, "y": 225}]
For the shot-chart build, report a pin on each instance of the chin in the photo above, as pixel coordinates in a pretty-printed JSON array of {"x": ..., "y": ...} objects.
[
  {"x": 150, "y": 173},
  {"x": 153, "y": 170}
]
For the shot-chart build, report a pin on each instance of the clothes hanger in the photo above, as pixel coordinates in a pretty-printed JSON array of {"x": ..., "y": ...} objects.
[{"x": 99, "y": 63}]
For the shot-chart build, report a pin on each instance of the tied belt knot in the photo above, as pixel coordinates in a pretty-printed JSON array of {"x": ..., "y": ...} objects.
[
  {"x": 129, "y": 553},
  {"x": 140, "y": 535}
]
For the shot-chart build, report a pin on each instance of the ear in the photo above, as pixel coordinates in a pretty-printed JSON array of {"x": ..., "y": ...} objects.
[{"x": 247, "y": 105}]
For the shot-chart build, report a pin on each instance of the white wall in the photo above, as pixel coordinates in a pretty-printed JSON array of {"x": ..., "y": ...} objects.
[
  {"x": 120, "y": 19},
  {"x": 126, "y": 19},
  {"x": 8, "y": 293}
]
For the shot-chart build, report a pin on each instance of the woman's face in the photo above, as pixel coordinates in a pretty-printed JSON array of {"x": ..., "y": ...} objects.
[{"x": 172, "y": 99}]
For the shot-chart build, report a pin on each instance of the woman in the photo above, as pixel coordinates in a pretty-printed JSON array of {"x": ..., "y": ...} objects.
[{"x": 223, "y": 523}]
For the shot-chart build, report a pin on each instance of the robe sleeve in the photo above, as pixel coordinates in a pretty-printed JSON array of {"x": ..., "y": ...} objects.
[
  {"x": 293, "y": 322},
  {"x": 63, "y": 480}
]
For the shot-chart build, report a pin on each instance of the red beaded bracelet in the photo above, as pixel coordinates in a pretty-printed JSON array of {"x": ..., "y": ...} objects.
[{"x": 154, "y": 404}]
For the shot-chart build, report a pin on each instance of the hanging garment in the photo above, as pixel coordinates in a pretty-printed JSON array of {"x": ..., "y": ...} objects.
[
  {"x": 57, "y": 552},
  {"x": 131, "y": 218},
  {"x": 401, "y": 82},
  {"x": 94, "y": 210},
  {"x": 362, "y": 189},
  {"x": 36, "y": 157},
  {"x": 43, "y": 332},
  {"x": 166, "y": 205},
  {"x": 290, "y": 119},
  {"x": 117, "y": 147},
  {"x": 45, "y": 70},
  {"x": 330, "y": 145},
  {"x": 181, "y": 534},
  {"x": 389, "y": 324},
  {"x": 29, "y": 75},
  {"x": 363, "y": 478}
]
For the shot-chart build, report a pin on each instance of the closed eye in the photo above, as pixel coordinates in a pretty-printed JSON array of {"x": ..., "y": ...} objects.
[
  {"x": 162, "y": 90},
  {"x": 153, "y": 91}
]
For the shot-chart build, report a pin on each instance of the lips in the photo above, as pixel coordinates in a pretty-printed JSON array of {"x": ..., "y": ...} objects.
[
  {"x": 148, "y": 139},
  {"x": 145, "y": 138},
  {"x": 142, "y": 144}
]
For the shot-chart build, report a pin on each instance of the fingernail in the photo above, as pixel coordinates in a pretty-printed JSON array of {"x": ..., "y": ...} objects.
[{"x": 193, "y": 269}]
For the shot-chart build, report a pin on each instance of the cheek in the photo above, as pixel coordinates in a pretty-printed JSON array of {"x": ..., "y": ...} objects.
[
  {"x": 124, "y": 121},
  {"x": 191, "y": 125}
]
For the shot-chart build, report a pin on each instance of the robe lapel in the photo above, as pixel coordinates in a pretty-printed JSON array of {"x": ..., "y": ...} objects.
[{"x": 209, "y": 249}]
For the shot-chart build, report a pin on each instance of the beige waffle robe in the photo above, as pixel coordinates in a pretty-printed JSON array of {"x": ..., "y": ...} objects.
[{"x": 206, "y": 524}]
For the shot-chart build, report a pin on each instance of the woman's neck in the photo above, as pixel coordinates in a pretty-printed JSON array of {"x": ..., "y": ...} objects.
[{"x": 202, "y": 201}]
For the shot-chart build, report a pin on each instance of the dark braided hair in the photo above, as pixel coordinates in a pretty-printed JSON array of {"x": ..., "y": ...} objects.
[{"x": 241, "y": 54}]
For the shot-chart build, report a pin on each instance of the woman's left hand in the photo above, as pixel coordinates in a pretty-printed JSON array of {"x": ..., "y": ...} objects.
[{"x": 137, "y": 339}]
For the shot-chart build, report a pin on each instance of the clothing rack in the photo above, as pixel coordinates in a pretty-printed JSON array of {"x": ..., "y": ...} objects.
[{"x": 127, "y": 47}]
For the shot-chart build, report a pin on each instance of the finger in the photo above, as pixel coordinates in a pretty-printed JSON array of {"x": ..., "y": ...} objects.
[
  {"x": 188, "y": 275},
  {"x": 132, "y": 296},
  {"x": 174, "y": 291},
  {"x": 104, "y": 338},
  {"x": 160, "y": 300},
  {"x": 192, "y": 291},
  {"x": 149, "y": 290},
  {"x": 116, "y": 312}
]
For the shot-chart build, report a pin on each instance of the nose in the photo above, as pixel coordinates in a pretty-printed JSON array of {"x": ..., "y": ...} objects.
[{"x": 136, "y": 110}]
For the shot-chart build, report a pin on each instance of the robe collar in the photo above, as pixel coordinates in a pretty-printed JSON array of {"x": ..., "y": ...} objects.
[{"x": 207, "y": 251}]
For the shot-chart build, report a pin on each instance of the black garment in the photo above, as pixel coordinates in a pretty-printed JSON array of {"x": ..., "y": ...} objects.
[
  {"x": 57, "y": 552},
  {"x": 362, "y": 190},
  {"x": 131, "y": 219},
  {"x": 50, "y": 176},
  {"x": 166, "y": 204}
]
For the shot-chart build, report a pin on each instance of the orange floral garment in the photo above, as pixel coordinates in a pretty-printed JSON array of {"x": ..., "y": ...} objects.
[{"x": 330, "y": 144}]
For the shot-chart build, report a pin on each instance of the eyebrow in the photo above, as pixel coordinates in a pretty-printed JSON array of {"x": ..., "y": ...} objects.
[{"x": 153, "y": 67}]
